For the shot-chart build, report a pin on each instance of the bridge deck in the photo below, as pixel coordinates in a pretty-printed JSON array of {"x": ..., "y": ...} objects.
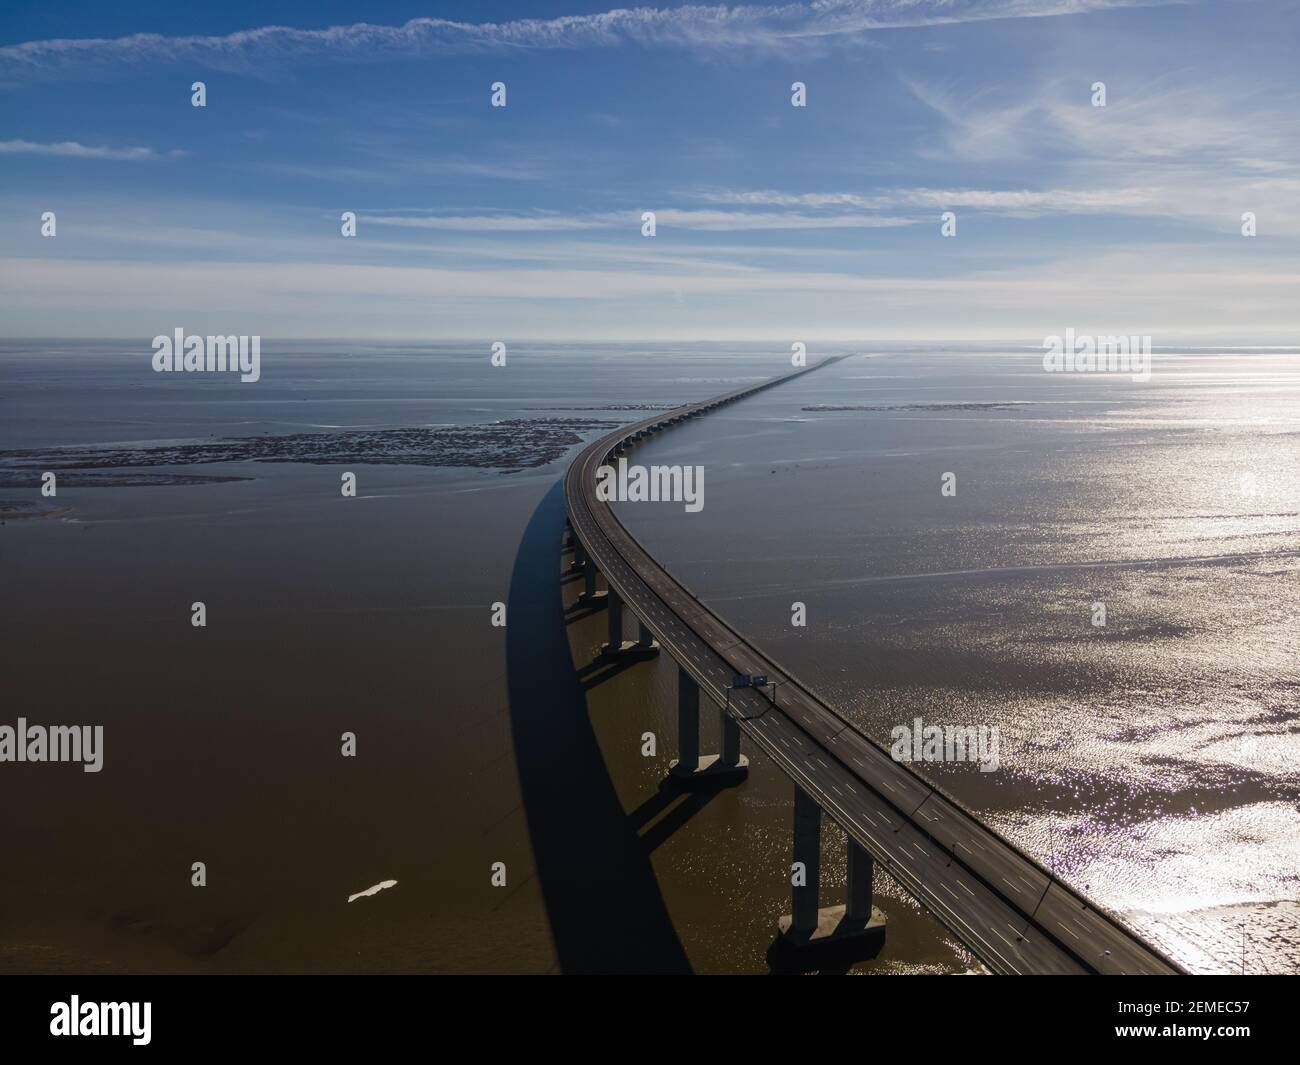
[{"x": 1008, "y": 911}]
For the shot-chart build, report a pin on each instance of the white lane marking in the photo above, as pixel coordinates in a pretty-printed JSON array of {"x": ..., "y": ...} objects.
[
  {"x": 372, "y": 890},
  {"x": 858, "y": 762},
  {"x": 965, "y": 889},
  {"x": 1009, "y": 884},
  {"x": 950, "y": 891},
  {"x": 837, "y": 791}
]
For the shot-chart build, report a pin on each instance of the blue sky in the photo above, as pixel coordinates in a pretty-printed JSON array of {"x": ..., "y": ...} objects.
[{"x": 774, "y": 222}]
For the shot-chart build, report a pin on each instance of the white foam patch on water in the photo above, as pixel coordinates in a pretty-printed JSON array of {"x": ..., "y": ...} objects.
[{"x": 372, "y": 890}]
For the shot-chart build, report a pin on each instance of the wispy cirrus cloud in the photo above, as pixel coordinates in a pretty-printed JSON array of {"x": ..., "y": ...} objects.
[
  {"x": 735, "y": 221},
  {"x": 540, "y": 222},
  {"x": 1156, "y": 123},
  {"x": 1170, "y": 149},
  {"x": 1155, "y": 289},
  {"x": 387, "y": 171},
  {"x": 763, "y": 26},
  {"x": 711, "y": 221},
  {"x": 1011, "y": 201},
  {"x": 74, "y": 150},
  {"x": 1202, "y": 199}
]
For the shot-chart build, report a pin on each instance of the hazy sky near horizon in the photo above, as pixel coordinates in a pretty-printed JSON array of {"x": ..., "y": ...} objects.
[{"x": 774, "y": 222}]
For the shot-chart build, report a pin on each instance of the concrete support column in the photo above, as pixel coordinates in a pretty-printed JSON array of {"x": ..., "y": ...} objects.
[
  {"x": 644, "y": 636},
  {"x": 812, "y": 937},
  {"x": 589, "y": 581},
  {"x": 730, "y": 739},
  {"x": 807, "y": 849},
  {"x": 861, "y": 871},
  {"x": 615, "y": 608},
  {"x": 688, "y": 721},
  {"x": 579, "y": 555},
  {"x": 691, "y": 769}
]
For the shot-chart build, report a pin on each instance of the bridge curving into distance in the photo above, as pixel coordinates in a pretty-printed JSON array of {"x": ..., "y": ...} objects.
[{"x": 1007, "y": 909}]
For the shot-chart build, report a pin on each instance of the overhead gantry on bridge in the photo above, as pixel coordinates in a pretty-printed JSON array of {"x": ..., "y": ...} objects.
[{"x": 1009, "y": 911}]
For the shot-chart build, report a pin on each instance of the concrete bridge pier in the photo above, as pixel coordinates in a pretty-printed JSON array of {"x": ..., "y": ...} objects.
[
  {"x": 812, "y": 936},
  {"x": 730, "y": 727},
  {"x": 711, "y": 770},
  {"x": 585, "y": 565},
  {"x": 615, "y": 613},
  {"x": 645, "y": 639},
  {"x": 862, "y": 870},
  {"x": 589, "y": 596},
  {"x": 615, "y": 645},
  {"x": 805, "y": 877}
]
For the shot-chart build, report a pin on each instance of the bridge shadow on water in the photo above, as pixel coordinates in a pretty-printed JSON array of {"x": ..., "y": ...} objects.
[{"x": 602, "y": 899}]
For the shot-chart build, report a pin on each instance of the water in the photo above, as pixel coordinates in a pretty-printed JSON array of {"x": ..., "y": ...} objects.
[{"x": 1151, "y": 761}]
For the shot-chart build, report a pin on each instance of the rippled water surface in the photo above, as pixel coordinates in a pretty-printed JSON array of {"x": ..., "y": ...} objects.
[{"x": 1151, "y": 760}]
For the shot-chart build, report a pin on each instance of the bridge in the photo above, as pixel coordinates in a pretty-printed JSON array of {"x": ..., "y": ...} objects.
[{"x": 1014, "y": 915}]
